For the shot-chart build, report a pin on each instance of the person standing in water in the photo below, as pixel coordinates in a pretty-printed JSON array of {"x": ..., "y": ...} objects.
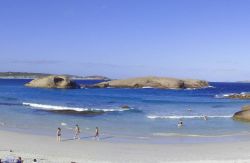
[
  {"x": 205, "y": 117},
  {"x": 97, "y": 133},
  {"x": 77, "y": 132},
  {"x": 180, "y": 123},
  {"x": 58, "y": 134}
]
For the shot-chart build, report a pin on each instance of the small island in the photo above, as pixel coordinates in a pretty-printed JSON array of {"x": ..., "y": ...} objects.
[
  {"x": 62, "y": 81},
  {"x": 53, "y": 81},
  {"x": 154, "y": 82}
]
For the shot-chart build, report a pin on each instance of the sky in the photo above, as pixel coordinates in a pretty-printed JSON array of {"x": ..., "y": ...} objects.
[{"x": 201, "y": 39}]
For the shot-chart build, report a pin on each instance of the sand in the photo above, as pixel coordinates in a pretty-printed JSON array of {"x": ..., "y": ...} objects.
[{"x": 46, "y": 149}]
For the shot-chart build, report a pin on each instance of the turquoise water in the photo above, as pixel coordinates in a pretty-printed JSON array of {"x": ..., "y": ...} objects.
[{"x": 152, "y": 117}]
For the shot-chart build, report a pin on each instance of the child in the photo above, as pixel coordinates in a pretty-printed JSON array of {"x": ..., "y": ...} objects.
[
  {"x": 97, "y": 133},
  {"x": 59, "y": 133}
]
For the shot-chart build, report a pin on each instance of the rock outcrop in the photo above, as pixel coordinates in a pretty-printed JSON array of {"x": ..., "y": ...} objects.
[
  {"x": 239, "y": 96},
  {"x": 195, "y": 83},
  {"x": 246, "y": 107},
  {"x": 53, "y": 81},
  {"x": 243, "y": 115},
  {"x": 125, "y": 107},
  {"x": 154, "y": 82}
]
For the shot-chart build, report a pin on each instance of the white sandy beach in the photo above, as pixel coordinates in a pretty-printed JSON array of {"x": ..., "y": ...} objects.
[{"x": 46, "y": 149}]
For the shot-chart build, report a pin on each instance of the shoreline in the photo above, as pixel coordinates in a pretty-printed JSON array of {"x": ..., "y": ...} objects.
[
  {"x": 154, "y": 139},
  {"x": 46, "y": 149}
]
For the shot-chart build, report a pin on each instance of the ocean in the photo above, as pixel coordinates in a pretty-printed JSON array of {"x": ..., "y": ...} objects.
[{"x": 151, "y": 116}]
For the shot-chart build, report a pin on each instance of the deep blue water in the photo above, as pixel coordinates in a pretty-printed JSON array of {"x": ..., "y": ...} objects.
[{"x": 152, "y": 117}]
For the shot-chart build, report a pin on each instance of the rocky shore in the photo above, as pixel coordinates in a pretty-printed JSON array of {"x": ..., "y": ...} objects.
[{"x": 243, "y": 115}]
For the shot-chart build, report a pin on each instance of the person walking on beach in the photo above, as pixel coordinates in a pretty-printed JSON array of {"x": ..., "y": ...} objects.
[
  {"x": 77, "y": 132},
  {"x": 58, "y": 134},
  {"x": 97, "y": 133}
]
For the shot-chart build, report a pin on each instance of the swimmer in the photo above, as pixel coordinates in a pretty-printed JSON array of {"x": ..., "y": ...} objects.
[{"x": 180, "y": 123}]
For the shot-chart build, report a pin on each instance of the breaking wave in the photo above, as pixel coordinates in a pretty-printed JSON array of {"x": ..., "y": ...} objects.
[
  {"x": 200, "y": 88},
  {"x": 65, "y": 109},
  {"x": 224, "y": 95},
  {"x": 187, "y": 116},
  {"x": 199, "y": 135},
  {"x": 147, "y": 87}
]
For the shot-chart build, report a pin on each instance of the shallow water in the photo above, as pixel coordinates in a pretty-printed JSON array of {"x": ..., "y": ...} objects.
[{"x": 152, "y": 117}]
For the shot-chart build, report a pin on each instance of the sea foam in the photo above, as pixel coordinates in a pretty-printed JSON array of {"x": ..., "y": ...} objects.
[
  {"x": 187, "y": 116},
  {"x": 147, "y": 87},
  {"x": 199, "y": 135},
  {"x": 75, "y": 109},
  {"x": 224, "y": 95}
]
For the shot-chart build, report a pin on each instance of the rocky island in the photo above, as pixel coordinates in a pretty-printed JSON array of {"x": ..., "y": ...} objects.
[
  {"x": 154, "y": 82},
  {"x": 53, "y": 81},
  {"x": 238, "y": 96}
]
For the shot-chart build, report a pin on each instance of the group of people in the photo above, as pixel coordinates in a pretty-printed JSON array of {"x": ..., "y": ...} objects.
[
  {"x": 11, "y": 159},
  {"x": 77, "y": 133}
]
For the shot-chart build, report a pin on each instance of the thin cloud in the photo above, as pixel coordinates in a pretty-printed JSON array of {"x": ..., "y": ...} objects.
[{"x": 35, "y": 62}]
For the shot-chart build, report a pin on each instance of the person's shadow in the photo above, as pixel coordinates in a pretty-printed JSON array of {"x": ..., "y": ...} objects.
[
  {"x": 67, "y": 139},
  {"x": 107, "y": 137},
  {"x": 88, "y": 137},
  {"x": 71, "y": 139}
]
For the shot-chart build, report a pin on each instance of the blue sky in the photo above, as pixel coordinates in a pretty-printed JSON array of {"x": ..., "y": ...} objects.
[{"x": 203, "y": 39}]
